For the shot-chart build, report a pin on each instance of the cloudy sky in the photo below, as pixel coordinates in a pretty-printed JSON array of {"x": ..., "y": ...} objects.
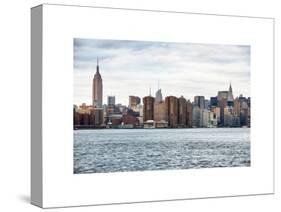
[{"x": 182, "y": 69}]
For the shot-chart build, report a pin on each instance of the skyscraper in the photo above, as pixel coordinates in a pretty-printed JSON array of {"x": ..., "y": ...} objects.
[
  {"x": 189, "y": 113},
  {"x": 182, "y": 112},
  {"x": 110, "y": 100},
  {"x": 148, "y": 108},
  {"x": 159, "y": 106},
  {"x": 134, "y": 101},
  {"x": 159, "y": 111},
  {"x": 172, "y": 110},
  {"x": 230, "y": 97},
  {"x": 158, "y": 96},
  {"x": 199, "y": 101},
  {"x": 97, "y": 88}
]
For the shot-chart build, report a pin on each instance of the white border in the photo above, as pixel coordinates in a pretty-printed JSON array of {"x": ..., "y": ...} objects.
[{"x": 63, "y": 23}]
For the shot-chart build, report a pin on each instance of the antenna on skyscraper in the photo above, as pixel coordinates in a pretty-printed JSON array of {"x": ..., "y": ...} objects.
[
  {"x": 149, "y": 90},
  {"x": 97, "y": 61}
]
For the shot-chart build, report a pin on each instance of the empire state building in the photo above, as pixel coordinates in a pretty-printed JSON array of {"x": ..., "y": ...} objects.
[{"x": 97, "y": 88}]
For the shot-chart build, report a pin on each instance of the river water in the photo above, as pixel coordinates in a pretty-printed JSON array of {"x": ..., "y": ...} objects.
[{"x": 118, "y": 150}]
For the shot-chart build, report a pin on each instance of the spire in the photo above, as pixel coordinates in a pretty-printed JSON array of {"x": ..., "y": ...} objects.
[
  {"x": 230, "y": 88},
  {"x": 149, "y": 90},
  {"x": 98, "y": 69},
  {"x": 230, "y": 97}
]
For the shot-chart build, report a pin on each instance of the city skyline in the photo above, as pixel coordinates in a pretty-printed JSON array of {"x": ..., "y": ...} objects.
[{"x": 210, "y": 68}]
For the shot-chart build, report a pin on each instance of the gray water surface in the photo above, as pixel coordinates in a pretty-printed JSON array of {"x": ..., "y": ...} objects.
[{"x": 118, "y": 150}]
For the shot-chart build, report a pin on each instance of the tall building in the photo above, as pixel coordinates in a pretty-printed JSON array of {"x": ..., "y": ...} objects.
[
  {"x": 158, "y": 96},
  {"x": 111, "y": 100},
  {"x": 159, "y": 107},
  {"x": 217, "y": 114},
  {"x": 222, "y": 95},
  {"x": 98, "y": 114},
  {"x": 199, "y": 101},
  {"x": 222, "y": 103},
  {"x": 148, "y": 108},
  {"x": 196, "y": 114},
  {"x": 227, "y": 117},
  {"x": 159, "y": 111},
  {"x": 213, "y": 101},
  {"x": 236, "y": 107},
  {"x": 230, "y": 97},
  {"x": 172, "y": 111},
  {"x": 189, "y": 114},
  {"x": 207, "y": 104},
  {"x": 182, "y": 116},
  {"x": 134, "y": 101},
  {"x": 204, "y": 118},
  {"x": 97, "y": 89}
]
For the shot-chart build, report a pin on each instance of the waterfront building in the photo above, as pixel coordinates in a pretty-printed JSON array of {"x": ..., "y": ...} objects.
[
  {"x": 204, "y": 118},
  {"x": 222, "y": 103},
  {"x": 196, "y": 122},
  {"x": 245, "y": 117},
  {"x": 97, "y": 88},
  {"x": 182, "y": 112},
  {"x": 217, "y": 113},
  {"x": 189, "y": 114},
  {"x": 236, "y": 107},
  {"x": 148, "y": 108},
  {"x": 171, "y": 103},
  {"x": 114, "y": 120},
  {"x": 160, "y": 111},
  {"x": 213, "y": 122},
  {"x": 75, "y": 115},
  {"x": 227, "y": 117},
  {"x": 235, "y": 121},
  {"x": 98, "y": 114},
  {"x": 140, "y": 118},
  {"x": 249, "y": 102},
  {"x": 130, "y": 120},
  {"x": 91, "y": 117}
]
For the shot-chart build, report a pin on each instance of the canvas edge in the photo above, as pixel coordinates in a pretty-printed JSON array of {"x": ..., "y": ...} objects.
[{"x": 36, "y": 106}]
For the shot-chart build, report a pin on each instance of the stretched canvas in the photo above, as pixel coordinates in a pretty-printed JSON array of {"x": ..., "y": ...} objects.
[{"x": 137, "y": 105}]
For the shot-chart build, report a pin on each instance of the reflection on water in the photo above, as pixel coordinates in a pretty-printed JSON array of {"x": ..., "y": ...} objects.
[{"x": 118, "y": 150}]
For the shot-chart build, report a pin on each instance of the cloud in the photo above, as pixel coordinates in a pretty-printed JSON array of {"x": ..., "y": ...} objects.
[{"x": 131, "y": 67}]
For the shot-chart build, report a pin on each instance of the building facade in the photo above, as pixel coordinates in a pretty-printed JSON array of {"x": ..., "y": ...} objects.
[
  {"x": 171, "y": 103},
  {"x": 148, "y": 108},
  {"x": 189, "y": 114},
  {"x": 182, "y": 112},
  {"x": 134, "y": 101}
]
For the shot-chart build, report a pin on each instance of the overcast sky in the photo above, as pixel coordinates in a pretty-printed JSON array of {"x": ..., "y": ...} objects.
[{"x": 182, "y": 69}]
